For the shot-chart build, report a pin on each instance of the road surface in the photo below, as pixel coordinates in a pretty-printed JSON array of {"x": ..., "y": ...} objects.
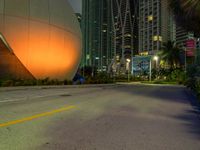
[{"x": 119, "y": 117}]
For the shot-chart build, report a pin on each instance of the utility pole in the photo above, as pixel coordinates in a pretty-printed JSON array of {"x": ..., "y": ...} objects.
[{"x": 150, "y": 73}]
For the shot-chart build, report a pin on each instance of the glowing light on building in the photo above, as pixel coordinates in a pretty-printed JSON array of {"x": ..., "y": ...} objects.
[{"x": 44, "y": 35}]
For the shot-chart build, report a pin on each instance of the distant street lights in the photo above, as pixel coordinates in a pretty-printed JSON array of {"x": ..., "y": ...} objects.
[{"x": 128, "y": 67}]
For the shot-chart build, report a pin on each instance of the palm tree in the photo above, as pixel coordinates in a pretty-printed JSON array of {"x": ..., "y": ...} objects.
[
  {"x": 170, "y": 54},
  {"x": 187, "y": 14}
]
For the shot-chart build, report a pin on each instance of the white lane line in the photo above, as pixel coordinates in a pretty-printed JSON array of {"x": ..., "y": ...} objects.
[{"x": 15, "y": 100}]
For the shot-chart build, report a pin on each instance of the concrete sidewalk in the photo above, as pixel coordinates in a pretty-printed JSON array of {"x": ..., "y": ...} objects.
[{"x": 2, "y": 89}]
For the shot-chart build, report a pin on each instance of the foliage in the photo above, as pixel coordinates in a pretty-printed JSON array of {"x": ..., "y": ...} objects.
[
  {"x": 193, "y": 71},
  {"x": 169, "y": 75},
  {"x": 170, "y": 54},
  {"x": 40, "y": 82},
  {"x": 193, "y": 78},
  {"x": 101, "y": 78},
  {"x": 177, "y": 75},
  {"x": 7, "y": 83}
]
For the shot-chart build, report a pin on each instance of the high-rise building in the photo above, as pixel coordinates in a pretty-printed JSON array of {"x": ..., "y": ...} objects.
[
  {"x": 182, "y": 36},
  {"x": 125, "y": 34},
  {"x": 155, "y": 25},
  {"x": 124, "y": 18},
  {"x": 109, "y": 30},
  {"x": 97, "y": 34}
]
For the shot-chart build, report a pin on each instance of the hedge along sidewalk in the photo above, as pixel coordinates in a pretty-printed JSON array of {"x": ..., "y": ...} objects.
[{"x": 194, "y": 100}]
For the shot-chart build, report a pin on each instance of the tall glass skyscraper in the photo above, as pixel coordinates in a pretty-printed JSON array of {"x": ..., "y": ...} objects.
[
  {"x": 97, "y": 33},
  {"x": 124, "y": 17},
  {"x": 109, "y": 30}
]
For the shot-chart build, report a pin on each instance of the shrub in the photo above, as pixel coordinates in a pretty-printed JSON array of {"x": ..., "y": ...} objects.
[
  {"x": 7, "y": 83},
  {"x": 67, "y": 82},
  {"x": 29, "y": 82},
  {"x": 193, "y": 78},
  {"x": 197, "y": 86},
  {"x": 101, "y": 78},
  {"x": 177, "y": 75}
]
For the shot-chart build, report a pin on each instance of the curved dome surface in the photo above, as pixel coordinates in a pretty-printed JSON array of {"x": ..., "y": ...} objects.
[{"x": 44, "y": 35}]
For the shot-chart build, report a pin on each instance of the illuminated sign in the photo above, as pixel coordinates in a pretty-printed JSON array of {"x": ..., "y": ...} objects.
[
  {"x": 141, "y": 64},
  {"x": 190, "y": 47}
]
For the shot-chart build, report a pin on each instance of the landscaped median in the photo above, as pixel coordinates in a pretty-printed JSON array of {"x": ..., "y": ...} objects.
[
  {"x": 194, "y": 85},
  {"x": 160, "y": 82}
]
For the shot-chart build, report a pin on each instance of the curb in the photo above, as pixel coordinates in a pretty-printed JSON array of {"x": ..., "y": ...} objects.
[
  {"x": 4, "y": 89},
  {"x": 151, "y": 84}
]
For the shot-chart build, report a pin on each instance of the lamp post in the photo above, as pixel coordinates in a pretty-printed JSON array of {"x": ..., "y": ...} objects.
[
  {"x": 155, "y": 58},
  {"x": 128, "y": 67},
  {"x": 150, "y": 73},
  {"x": 185, "y": 59}
]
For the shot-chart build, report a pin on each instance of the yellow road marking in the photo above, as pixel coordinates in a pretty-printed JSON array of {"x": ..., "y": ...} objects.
[{"x": 36, "y": 116}]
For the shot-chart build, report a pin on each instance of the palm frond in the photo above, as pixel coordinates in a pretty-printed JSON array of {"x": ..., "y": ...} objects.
[{"x": 187, "y": 14}]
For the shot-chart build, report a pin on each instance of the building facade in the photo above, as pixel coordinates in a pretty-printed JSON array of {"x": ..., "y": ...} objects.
[
  {"x": 124, "y": 18},
  {"x": 97, "y": 34},
  {"x": 155, "y": 25},
  {"x": 109, "y": 30},
  {"x": 182, "y": 36}
]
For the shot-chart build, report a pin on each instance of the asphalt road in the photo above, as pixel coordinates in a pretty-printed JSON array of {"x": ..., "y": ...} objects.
[{"x": 120, "y": 117}]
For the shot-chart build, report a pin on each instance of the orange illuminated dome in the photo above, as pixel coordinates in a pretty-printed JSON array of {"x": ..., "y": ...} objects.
[{"x": 44, "y": 35}]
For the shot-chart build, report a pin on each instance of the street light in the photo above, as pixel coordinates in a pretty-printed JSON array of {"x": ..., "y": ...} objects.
[
  {"x": 155, "y": 58},
  {"x": 128, "y": 67}
]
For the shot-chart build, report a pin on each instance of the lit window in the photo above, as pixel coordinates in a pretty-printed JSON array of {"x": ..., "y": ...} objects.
[
  {"x": 144, "y": 53},
  {"x": 127, "y": 35},
  {"x": 160, "y": 38},
  {"x": 157, "y": 38},
  {"x": 150, "y": 18},
  {"x": 127, "y": 46},
  {"x": 88, "y": 56}
]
